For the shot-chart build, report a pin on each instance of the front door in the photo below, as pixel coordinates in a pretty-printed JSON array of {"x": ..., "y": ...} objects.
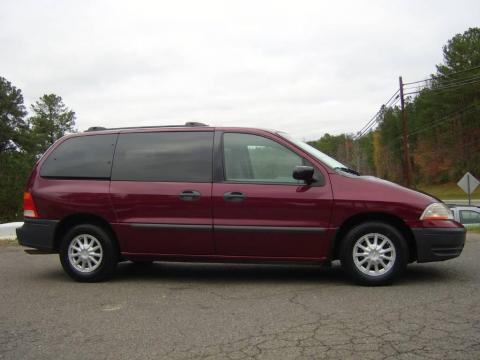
[
  {"x": 259, "y": 209},
  {"x": 161, "y": 192}
]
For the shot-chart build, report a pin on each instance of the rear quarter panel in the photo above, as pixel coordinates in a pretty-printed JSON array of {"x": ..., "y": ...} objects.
[{"x": 58, "y": 198}]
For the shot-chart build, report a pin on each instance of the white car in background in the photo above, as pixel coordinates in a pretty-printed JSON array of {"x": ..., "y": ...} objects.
[{"x": 467, "y": 215}]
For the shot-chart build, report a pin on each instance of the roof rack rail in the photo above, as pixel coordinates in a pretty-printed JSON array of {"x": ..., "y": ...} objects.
[
  {"x": 95, "y": 128},
  {"x": 194, "y": 123},
  {"x": 187, "y": 124}
]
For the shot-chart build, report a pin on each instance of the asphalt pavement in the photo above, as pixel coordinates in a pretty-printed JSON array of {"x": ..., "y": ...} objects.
[{"x": 225, "y": 311}]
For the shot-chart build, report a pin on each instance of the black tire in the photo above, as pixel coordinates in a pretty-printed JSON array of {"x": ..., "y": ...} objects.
[
  {"x": 370, "y": 270},
  {"x": 106, "y": 263}
]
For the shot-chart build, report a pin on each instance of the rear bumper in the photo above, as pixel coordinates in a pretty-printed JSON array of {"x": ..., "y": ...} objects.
[
  {"x": 38, "y": 234},
  {"x": 437, "y": 244}
]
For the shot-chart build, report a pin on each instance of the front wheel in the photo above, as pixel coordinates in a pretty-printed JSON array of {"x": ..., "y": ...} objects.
[
  {"x": 88, "y": 253},
  {"x": 374, "y": 253}
]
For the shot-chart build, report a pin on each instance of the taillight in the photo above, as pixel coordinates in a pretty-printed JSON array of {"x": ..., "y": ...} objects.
[{"x": 29, "y": 208}]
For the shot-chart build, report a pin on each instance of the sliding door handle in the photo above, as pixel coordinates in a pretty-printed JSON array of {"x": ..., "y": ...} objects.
[
  {"x": 190, "y": 195},
  {"x": 234, "y": 196}
]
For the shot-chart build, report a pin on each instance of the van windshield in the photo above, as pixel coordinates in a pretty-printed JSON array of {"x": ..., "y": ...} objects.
[{"x": 324, "y": 158}]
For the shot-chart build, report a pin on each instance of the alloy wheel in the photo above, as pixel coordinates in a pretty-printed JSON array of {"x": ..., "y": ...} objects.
[
  {"x": 374, "y": 254},
  {"x": 85, "y": 253}
]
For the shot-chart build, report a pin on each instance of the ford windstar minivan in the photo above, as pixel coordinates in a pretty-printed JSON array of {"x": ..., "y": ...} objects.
[{"x": 200, "y": 193}]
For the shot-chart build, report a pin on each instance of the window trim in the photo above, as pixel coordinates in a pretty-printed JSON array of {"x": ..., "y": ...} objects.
[{"x": 219, "y": 162}]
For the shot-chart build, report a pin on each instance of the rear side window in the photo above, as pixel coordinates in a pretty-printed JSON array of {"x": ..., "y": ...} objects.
[
  {"x": 88, "y": 157},
  {"x": 164, "y": 156}
]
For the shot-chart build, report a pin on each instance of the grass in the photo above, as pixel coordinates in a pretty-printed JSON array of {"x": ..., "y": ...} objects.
[
  {"x": 474, "y": 229},
  {"x": 448, "y": 191}
]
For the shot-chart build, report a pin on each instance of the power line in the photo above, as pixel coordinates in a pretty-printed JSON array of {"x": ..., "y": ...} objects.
[
  {"x": 458, "y": 83},
  {"x": 473, "y": 80},
  {"x": 442, "y": 91},
  {"x": 447, "y": 84},
  {"x": 370, "y": 122},
  {"x": 443, "y": 119},
  {"x": 374, "y": 119},
  {"x": 394, "y": 144},
  {"x": 435, "y": 152},
  {"x": 444, "y": 86},
  {"x": 446, "y": 75},
  {"x": 369, "y": 126},
  {"x": 394, "y": 96},
  {"x": 462, "y": 71},
  {"x": 444, "y": 83},
  {"x": 393, "y": 102}
]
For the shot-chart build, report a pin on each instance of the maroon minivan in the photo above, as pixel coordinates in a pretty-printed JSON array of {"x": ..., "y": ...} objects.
[{"x": 200, "y": 193}]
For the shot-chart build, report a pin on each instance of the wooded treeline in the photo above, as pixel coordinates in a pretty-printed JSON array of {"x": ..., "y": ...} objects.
[
  {"x": 443, "y": 117},
  {"x": 23, "y": 138},
  {"x": 443, "y": 120}
]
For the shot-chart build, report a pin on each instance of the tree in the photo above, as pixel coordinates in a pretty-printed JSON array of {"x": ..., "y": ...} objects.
[
  {"x": 14, "y": 165},
  {"x": 443, "y": 122},
  {"x": 454, "y": 139},
  {"x": 12, "y": 114},
  {"x": 337, "y": 146},
  {"x": 14, "y": 170},
  {"x": 51, "y": 120},
  {"x": 461, "y": 52}
]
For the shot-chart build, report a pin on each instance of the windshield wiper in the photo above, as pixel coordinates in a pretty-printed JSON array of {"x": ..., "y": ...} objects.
[{"x": 347, "y": 170}]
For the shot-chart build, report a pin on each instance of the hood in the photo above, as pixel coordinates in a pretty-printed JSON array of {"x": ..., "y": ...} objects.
[
  {"x": 373, "y": 190},
  {"x": 405, "y": 190}
]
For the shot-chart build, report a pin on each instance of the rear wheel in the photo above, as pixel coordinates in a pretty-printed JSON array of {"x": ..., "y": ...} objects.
[
  {"x": 374, "y": 253},
  {"x": 88, "y": 253}
]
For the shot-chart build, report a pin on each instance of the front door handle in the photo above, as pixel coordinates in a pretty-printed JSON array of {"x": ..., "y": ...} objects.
[
  {"x": 190, "y": 195},
  {"x": 234, "y": 196}
]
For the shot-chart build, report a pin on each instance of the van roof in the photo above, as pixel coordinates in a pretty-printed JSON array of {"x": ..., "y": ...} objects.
[{"x": 187, "y": 125}]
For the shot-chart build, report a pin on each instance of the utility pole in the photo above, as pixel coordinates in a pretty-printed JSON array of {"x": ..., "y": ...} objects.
[
  {"x": 406, "y": 155},
  {"x": 357, "y": 153},
  {"x": 347, "y": 150}
]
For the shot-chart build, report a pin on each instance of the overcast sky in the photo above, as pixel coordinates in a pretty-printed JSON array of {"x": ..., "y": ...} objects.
[{"x": 305, "y": 67}]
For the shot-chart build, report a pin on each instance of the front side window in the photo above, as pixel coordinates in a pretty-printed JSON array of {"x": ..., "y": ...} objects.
[
  {"x": 82, "y": 157},
  {"x": 469, "y": 217},
  {"x": 164, "y": 156},
  {"x": 252, "y": 158}
]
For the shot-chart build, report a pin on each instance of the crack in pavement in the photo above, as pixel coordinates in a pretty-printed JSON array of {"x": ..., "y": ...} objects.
[{"x": 431, "y": 314}]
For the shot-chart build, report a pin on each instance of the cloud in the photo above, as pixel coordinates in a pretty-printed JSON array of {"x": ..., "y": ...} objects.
[{"x": 305, "y": 67}]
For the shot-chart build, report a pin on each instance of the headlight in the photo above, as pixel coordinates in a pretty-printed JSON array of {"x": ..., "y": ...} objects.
[{"x": 437, "y": 211}]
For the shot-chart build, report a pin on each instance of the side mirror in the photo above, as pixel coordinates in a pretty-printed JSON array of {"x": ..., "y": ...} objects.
[{"x": 304, "y": 173}]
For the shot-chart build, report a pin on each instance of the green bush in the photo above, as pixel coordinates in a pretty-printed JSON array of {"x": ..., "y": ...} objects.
[{"x": 14, "y": 171}]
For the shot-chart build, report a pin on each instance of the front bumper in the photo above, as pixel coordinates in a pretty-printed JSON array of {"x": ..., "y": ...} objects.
[
  {"x": 38, "y": 234},
  {"x": 437, "y": 244}
]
